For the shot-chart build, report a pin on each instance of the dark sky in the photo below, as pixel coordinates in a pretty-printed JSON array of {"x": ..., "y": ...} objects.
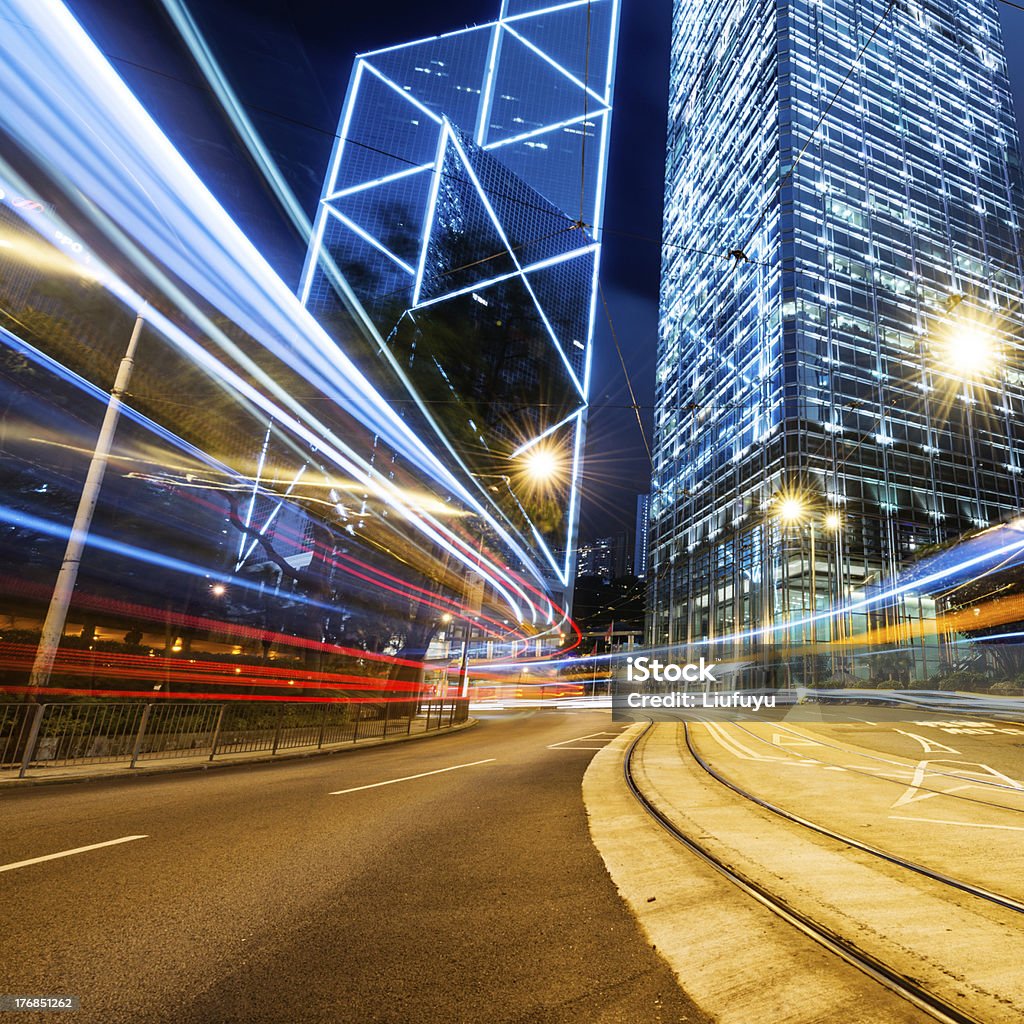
[{"x": 290, "y": 61}]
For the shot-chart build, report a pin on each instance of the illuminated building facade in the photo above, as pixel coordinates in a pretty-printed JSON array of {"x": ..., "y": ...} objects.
[
  {"x": 641, "y": 538},
  {"x": 463, "y": 204},
  {"x": 840, "y": 308}
]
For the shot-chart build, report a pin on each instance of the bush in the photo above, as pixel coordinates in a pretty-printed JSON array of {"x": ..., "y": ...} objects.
[
  {"x": 1006, "y": 688},
  {"x": 964, "y": 680}
]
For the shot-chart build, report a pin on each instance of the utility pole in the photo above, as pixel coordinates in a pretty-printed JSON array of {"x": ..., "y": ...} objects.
[{"x": 57, "y": 613}]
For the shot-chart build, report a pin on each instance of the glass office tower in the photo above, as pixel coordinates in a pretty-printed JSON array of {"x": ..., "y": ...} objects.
[
  {"x": 464, "y": 204},
  {"x": 839, "y": 380}
]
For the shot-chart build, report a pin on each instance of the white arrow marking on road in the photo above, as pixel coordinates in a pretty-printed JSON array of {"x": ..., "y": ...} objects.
[
  {"x": 422, "y": 775},
  {"x": 913, "y": 791},
  {"x": 69, "y": 853},
  {"x": 930, "y": 746}
]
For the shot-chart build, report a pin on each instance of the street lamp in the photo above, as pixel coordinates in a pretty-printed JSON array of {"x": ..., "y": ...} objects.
[
  {"x": 968, "y": 350},
  {"x": 792, "y": 510},
  {"x": 542, "y": 465}
]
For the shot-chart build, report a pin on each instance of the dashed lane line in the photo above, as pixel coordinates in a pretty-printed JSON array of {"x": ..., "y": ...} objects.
[
  {"x": 69, "y": 853},
  {"x": 407, "y": 778}
]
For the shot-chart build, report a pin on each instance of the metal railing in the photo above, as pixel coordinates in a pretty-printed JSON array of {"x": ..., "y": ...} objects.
[{"x": 63, "y": 735}]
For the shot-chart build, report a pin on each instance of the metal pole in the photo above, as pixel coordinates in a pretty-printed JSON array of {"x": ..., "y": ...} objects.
[
  {"x": 814, "y": 590},
  {"x": 277, "y": 728},
  {"x": 33, "y": 739},
  {"x": 216, "y": 733},
  {"x": 463, "y": 681},
  {"x": 57, "y": 613}
]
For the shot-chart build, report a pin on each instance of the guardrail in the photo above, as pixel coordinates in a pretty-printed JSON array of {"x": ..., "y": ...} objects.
[{"x": 62, "y": 735}]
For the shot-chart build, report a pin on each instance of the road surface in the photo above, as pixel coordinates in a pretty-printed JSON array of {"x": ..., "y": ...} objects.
[{"x": 307, "y": 891}]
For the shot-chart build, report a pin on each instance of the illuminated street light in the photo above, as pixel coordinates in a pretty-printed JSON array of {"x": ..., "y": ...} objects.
[
  {"x": 218, "y": 590},
  {"x": 833, "y": 520},
  {"x": 969, "y": 350},
  {"x": 542, "y": 465},
  {"x": 792, "y": 510}
]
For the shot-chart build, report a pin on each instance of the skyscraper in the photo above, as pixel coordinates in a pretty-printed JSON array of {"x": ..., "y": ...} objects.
[
  {"x": 464, "y": 203},
  {"x": 839, "y": 379}
]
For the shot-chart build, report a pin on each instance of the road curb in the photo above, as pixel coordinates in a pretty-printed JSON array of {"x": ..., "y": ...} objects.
[
  {"x": 168, "y": 769},
  {"x": 732, "y": 956}
]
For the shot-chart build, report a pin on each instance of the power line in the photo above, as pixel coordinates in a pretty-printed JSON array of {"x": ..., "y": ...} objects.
[{"x": 625, "y": 373}]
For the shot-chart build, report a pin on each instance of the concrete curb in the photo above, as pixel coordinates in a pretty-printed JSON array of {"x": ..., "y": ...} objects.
[
  {"x": 733, "y": 957},
  {"x": 120, "y": 772}
]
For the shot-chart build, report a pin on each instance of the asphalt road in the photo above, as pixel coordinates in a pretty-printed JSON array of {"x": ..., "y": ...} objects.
[{"x": 261, "y": 894}]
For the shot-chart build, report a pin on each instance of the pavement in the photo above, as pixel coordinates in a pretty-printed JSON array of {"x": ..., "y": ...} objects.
[
  {"x": 45, "y": 775},
  {"x": 452, "y": 881}
]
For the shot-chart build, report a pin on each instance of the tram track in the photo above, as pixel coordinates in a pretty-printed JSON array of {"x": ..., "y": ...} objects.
[{"x": 886, "y": 974}]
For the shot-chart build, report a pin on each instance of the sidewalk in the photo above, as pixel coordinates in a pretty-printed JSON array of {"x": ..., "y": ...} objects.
[{"x": 42, "y": 776}]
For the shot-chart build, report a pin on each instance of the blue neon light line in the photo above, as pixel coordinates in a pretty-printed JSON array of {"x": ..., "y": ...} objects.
[
  {"x": 501, "y": 233},
  {"x": 50, "y": 365},
  {"x": 435, "y": 184},
  {"x": 558, "y": 67},
  {"x": 550, "y": 430},
  {"x": 212, "y": 72},
  {"x": 544, "y": 10},
  {"x": 479, "y": 286},
  {"x": 314, "y": 251},
  {"x": 407, "y": 96},
  {"x": 867, "y": 602},
  {"x": 384, "y": 180},
  {"x": 592, "y": 115},
  {"x": 428, "y": 39},
  {"x": 99, "y": 542},
  {"x": 367, "y": 237},
  {"x": 487, "y": 95}
]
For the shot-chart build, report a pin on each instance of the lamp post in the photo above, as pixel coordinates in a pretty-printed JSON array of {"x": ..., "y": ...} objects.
[{"x": 57, "y": 612}]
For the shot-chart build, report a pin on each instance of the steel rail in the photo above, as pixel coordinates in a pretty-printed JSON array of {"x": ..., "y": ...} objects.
[{"x": 887, "y": 976}]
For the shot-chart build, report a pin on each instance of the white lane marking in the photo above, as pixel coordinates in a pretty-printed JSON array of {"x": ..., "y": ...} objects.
[
  {"x": 779, "y": 740},
  {"x": 69, "y": 853},
  {"x": 930, "y": 746},
  {"x": 589, "y": 736},
  {"x": 407, "y": 778},
  {"x": 966, "y": 824},
  {"x": 729, "y": 742}
]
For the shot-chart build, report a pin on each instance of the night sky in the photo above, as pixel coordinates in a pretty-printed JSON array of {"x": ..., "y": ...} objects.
[{"x": 290, "y": 60}]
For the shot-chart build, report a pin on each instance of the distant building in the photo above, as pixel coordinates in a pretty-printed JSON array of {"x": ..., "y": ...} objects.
[
  {"x": 643, "y": 511},
  {"x": 604, "y": 558}
]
